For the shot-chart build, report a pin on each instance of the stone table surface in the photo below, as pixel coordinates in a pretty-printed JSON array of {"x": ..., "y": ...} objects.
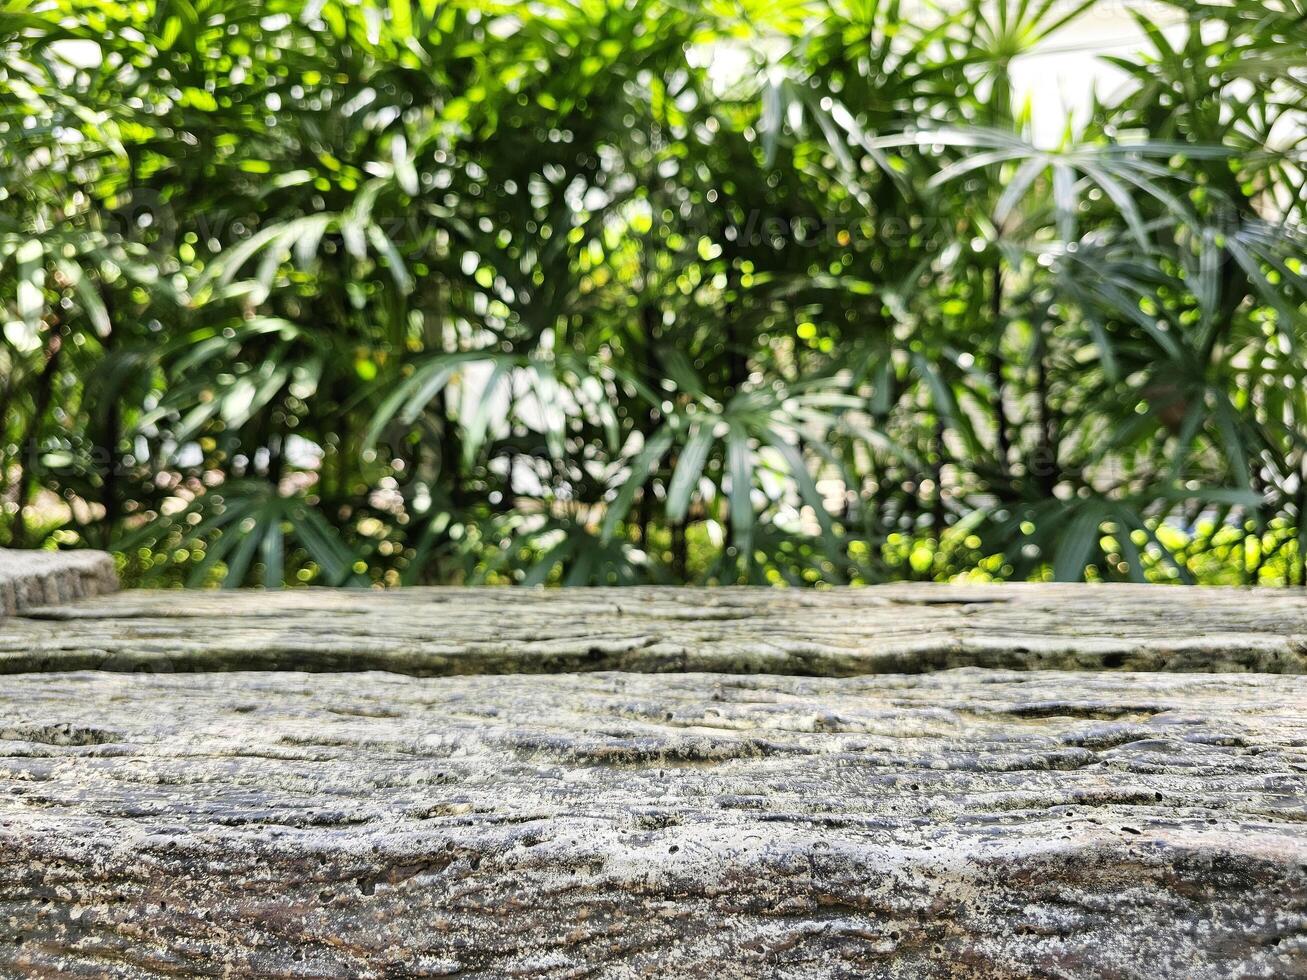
[{"x": 905, "y": 781}]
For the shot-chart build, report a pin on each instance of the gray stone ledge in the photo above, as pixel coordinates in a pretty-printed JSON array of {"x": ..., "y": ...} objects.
[
  {"x": 890, "y": 629},
  {"x": 49, "y": 578},
  {"x": 1007, "y": 781},
  {"x": 959, "y": 824}
]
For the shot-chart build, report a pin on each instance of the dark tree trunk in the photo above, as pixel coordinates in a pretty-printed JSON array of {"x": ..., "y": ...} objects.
[
  {"x": 112, "y": 431},
  {"x": 1002, "y": 433},
  {"x": 27, "y": 446},
  {"x": 1047, "y": 469}
]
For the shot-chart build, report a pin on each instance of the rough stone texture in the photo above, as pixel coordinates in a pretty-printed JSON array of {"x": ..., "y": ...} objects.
[
  {"x": 39, "y": 578},
  {"x": 969, "y": 822},
  {"x": 888, "y": 629}
]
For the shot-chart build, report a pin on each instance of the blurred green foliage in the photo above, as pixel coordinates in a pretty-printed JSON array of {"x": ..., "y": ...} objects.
[{"x": 619, "y": 291}]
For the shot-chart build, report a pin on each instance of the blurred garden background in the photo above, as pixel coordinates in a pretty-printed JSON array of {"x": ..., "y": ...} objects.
[{"x": 643, "y": 291}]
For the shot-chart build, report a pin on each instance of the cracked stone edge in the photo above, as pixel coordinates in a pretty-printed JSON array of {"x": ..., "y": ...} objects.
[{"x": 31, "y": 579}]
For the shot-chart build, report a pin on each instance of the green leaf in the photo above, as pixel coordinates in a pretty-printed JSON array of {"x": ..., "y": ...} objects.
[
  {"x": 640, "y": 469},
  {"x": 1078, "y": 544},
  {"x": 688, "y": 469},
  {"x": 401, "y": 18}
]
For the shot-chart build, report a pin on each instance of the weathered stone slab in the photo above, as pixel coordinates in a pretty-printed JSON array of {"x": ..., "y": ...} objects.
[
  {"x": 964, "y": 823},
  {"x": 40, "y": 578},
  {"x": 887, "y": 629},
  {"x": 738, "y": 822}
]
